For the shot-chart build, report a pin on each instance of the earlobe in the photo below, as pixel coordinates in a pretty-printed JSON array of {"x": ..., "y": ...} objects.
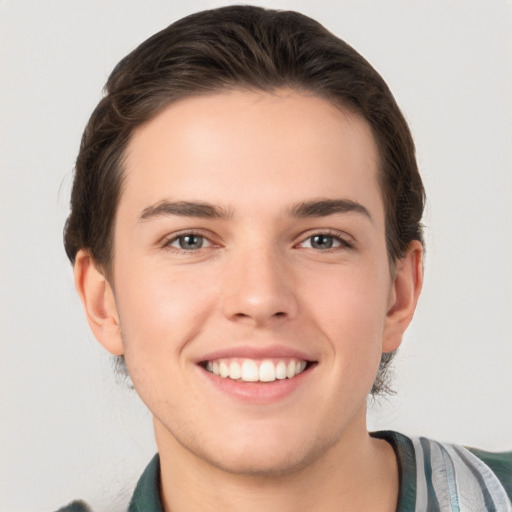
[
  {"x": 404, "y": 296},
  {"x": 99, "y": 303}
]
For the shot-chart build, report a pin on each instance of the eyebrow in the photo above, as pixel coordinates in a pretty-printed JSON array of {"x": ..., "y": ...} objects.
[
  {"x": 325, "y": 207},
  {"x": 203, "y": 210},
  {"x": 183, "y": 209}
]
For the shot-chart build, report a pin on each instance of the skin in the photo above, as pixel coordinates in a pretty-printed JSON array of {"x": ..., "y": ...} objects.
[{"x": 257, "y": 281}]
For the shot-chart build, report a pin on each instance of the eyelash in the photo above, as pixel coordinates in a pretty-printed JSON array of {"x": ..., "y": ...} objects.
[
  {"x": 167, "y": 243},
  {"x": 343, "y": 243}
]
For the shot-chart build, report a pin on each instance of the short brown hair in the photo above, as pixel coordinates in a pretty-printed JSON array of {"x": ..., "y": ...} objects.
[{"x": 238, "y": 47}]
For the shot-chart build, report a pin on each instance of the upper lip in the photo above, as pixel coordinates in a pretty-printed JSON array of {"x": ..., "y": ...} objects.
[{"x": 257, "y": 352}]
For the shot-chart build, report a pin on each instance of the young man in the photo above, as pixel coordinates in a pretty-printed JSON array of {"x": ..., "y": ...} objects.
[{"x": 245, "y": 233}]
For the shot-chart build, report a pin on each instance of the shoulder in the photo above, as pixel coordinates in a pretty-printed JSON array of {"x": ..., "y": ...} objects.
[
  {"x": 500, "y": 464},
  {"x": 146, "y": 496},
  {"x": 444, "y": 476},
  {"x": 455, "y": 474}
]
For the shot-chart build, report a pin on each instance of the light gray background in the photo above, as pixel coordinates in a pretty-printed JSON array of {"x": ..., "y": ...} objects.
[{"x": 68, "y": 429}]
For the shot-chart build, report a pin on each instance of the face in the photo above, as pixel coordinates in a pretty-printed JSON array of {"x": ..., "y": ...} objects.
[{"x": 251, "y": 279}]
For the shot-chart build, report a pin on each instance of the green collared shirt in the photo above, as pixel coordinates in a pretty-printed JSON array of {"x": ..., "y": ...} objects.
[{"x": 434, "y": 477}]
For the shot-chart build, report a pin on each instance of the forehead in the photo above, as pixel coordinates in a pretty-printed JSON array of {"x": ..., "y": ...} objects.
[{"x": 241, "y": 148}]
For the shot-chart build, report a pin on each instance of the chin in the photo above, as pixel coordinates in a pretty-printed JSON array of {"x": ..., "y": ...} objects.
[
  {"x": 259, "y": 463},
  {"x": 264, "y": 455}
]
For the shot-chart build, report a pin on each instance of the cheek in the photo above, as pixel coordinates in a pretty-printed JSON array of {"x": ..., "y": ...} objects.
[
  {"x": 160, "y": 312},
  {"x": 160, "y": 309},
  {"x": 350, "y": 307},
  {"x": 352, "y": 298}
]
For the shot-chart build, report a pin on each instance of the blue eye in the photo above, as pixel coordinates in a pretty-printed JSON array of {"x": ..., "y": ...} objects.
[
  {"x": 189, "y": 242},
  {"x": 323, "y": 241}
]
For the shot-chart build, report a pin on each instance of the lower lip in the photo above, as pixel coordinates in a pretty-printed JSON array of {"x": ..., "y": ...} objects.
[{"x": 258, "y": 392}]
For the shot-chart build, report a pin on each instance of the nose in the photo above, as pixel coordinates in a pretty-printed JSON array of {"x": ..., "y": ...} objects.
[{"x": 259, "y": 289}]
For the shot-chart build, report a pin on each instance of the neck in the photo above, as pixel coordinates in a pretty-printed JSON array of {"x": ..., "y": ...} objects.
[{"x": 358, "y": 473}]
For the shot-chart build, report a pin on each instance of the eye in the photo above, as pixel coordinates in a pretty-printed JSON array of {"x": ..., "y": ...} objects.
[
  {"x": 324, "y": 241},
  {"x": 189, "y": 242}
]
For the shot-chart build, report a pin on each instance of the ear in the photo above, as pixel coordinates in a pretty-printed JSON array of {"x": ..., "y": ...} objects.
[
  {"x": 99, "y": 303},
  {"x": 404, "y": 296}
]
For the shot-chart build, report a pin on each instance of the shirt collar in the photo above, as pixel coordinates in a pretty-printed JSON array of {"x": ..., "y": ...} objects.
[{"x": 147, "y": 495}]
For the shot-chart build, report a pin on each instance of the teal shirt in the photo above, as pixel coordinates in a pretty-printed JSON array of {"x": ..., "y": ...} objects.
[{"x": 434, "y": 477}]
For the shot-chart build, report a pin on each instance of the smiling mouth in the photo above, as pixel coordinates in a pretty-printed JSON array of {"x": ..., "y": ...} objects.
[{"x": 254, "y": 370}]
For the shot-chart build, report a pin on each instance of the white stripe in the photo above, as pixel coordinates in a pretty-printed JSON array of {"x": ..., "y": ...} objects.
[
  {"x": 455, "y": 486},
  {"x": 421, "y": 480},
  {"x": 443, "y": 479},
  {"x": 492, "y": 483}
]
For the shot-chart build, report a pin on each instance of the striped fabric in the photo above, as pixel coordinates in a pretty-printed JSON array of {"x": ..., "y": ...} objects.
[{"x": 451, "y": 478}]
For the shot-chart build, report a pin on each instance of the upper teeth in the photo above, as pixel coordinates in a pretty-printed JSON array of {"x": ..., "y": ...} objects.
[{"x": 250, "y": 370}]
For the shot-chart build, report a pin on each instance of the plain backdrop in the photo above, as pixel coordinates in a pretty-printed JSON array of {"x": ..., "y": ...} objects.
[{"x": 69, "y": 428}]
